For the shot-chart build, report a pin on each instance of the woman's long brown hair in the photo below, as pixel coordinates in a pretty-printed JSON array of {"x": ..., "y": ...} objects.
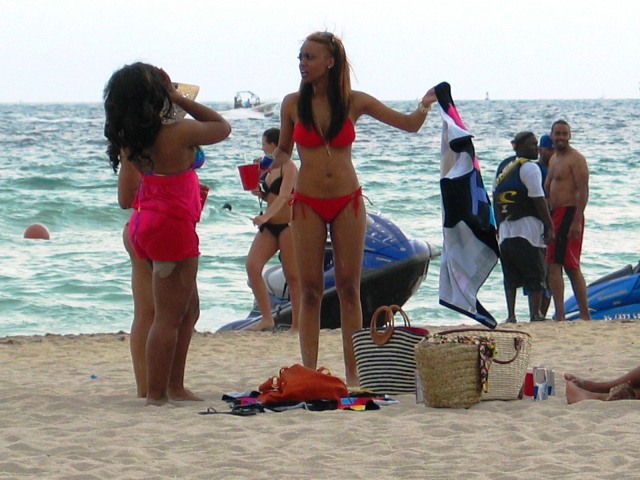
[{"x": 339, "y": 91}]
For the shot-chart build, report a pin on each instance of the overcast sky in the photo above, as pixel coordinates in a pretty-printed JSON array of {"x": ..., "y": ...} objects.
[{"x": 65, "y": 50}]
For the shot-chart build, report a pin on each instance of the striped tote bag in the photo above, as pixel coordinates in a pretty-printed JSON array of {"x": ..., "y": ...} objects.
[{"x": 385, "y": 356}]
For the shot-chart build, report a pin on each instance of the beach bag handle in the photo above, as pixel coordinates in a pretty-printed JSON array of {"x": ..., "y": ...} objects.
[
  {"x": 517, "y": 342},
  {"x": 383, "y": 337}
]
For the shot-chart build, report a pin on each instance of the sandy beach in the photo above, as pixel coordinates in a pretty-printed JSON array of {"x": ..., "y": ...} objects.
[{"x": 68, "y": 410}]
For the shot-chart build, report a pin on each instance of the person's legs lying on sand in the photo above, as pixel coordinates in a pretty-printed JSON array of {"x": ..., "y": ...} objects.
[
  {"x": 632, "y": 377},
  {"x": 623, "y": 391}
]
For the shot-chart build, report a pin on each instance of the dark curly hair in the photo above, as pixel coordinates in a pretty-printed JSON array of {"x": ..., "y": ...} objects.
[
  {"x": 339, "y": 91},
  {"x": 136, "y": 101}
]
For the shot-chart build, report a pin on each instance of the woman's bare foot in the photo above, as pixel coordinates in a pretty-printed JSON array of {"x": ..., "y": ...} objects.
[
  {"x": 156, "y": 402},
  {"x": 263, "y": 326},
  {"x": 184, "y": 395},
  {"x": 576, "y": 394},
  {"x": 588, "y": 385},
  {"x": 573, "y": 379}
]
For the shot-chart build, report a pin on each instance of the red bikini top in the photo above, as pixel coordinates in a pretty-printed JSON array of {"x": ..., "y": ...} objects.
[{"x": 309, "y": 137}]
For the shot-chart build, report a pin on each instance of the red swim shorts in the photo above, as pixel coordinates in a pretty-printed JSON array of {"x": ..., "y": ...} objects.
[{"x": 563, "y": 250}]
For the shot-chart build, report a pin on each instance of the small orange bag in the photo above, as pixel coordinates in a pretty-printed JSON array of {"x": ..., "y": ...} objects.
[{"x": 299, "y": 383}]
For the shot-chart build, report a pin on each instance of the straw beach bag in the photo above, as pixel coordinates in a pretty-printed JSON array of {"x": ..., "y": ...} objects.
[
  {"x": 509, "y": 366},
  {"x": 453, "y": 370},
  {"x": 385, "y": 358}
]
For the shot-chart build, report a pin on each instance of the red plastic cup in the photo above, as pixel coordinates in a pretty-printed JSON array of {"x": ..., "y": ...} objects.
[
  {"x": 528, "y": 383},
  {"x": 249, "y": 175}
]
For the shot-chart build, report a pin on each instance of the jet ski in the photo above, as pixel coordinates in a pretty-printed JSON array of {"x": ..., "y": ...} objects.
[
  {"x": 615, "y": 296},
  {"x": 393, "y": 268}
]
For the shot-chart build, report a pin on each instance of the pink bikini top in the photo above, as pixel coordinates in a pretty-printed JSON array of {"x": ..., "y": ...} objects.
[{"x": 309, "y": 137}]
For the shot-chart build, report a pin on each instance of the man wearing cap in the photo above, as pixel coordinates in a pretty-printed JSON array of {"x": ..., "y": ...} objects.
[
  {"x": 567, "y": 185},
  {"x": 524, "y": 224},
  {"x": 545, "y": 150}
]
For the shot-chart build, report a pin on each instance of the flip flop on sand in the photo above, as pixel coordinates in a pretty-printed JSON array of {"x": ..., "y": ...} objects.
[{"x": 238, "y": 410}]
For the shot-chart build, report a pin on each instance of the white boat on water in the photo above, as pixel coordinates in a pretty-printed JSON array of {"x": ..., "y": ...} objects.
[{"x": 245, "y": 99}]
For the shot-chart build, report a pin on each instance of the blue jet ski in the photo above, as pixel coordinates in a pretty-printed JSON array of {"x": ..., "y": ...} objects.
[
  {"x": 393, "y": 268},
  {"x": 615, "y": 296}
]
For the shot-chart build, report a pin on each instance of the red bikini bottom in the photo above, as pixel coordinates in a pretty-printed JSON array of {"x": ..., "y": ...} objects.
[{"x": 327, "y": 208}]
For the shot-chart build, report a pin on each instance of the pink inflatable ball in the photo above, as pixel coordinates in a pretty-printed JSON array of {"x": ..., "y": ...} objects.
[{"x": 37, "y": 231}]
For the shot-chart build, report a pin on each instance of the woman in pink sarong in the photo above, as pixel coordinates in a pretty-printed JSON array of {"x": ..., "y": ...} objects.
[{"x": 138, "y": 102}]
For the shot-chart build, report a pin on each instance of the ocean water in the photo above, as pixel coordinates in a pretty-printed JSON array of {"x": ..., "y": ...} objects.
[{"x": 54, "y": 171}]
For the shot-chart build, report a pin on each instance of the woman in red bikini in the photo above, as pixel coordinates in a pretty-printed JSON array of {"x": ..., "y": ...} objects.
[
  {"x": 320, "y": 119},
  {"x": 138, "y": 101}
]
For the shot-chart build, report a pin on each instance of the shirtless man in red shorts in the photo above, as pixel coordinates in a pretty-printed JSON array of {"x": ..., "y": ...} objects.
[{"x": 567, "y": 185}]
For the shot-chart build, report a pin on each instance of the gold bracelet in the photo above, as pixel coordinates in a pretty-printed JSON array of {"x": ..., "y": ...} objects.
[{"x": 422, "y": 108}]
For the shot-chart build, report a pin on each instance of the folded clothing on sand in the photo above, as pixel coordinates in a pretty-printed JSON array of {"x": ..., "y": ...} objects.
[{"x": 241, "y": 402}]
